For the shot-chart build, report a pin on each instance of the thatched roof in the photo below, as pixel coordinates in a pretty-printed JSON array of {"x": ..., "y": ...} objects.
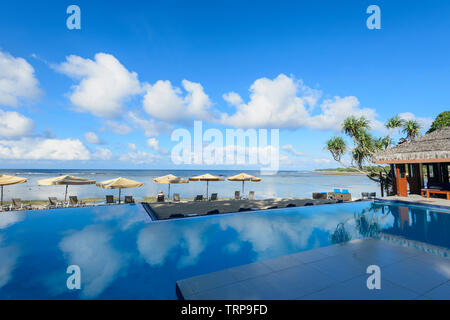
[{"x": 432, "y": 147}]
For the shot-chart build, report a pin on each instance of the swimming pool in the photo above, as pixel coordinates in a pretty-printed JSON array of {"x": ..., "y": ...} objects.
[{"x": 123, "y": 254}]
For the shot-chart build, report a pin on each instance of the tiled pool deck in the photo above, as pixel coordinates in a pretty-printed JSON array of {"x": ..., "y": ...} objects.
[
  {"x": 334, "y": 272},
  {"x": 416, "y": 199}
]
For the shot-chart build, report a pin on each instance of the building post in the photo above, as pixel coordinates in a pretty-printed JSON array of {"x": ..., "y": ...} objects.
[
  {"x": 394, "y": 182},
  {"x": 382, "y": 184}
]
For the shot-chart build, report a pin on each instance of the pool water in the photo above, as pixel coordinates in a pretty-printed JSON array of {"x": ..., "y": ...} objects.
[{"x": 123, "y": 254}]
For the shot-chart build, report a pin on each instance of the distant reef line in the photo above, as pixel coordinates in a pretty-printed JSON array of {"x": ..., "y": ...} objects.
[{"x": 344, "y": 171}]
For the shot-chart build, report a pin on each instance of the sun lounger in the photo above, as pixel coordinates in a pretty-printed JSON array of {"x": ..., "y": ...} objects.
[
  {"x": 176, "y": 197},
  {"x": 364, "y": 195},
  {"x": 372, "y": 195},
  {"x": 251, "y": 195},
  {"x": 54, "y": 203},
  {"x": 129, "y": 199},
  {"x": 237, "y": 195},
  {"x": 320, "y": 195},
  {"x": 110, "y": 199},
  {"x": 160, "y": 198},
  {"x": 18, "y": 205},
  {"x": 73, "y": 202},
  {"x": 199, "y": 197},
  {"x": 342, "y": 196},
  {"x": 213, "y": 197}
]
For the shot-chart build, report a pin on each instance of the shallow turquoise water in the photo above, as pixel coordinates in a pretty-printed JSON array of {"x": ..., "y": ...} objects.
[{"x": 124, "y": 255}]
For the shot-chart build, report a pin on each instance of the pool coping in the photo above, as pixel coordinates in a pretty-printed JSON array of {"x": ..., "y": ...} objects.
[
  {"x": 250, "y": 211},
  {"x": 413, "y": 203}
]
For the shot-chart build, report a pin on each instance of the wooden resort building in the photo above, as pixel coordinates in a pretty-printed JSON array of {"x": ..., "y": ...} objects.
[{"x": 420, "y": 166}]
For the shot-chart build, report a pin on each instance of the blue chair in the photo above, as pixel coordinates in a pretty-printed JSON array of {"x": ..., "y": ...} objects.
[
  {"x": 337, "y": 190},
  {"x": 345, "y": 191}
]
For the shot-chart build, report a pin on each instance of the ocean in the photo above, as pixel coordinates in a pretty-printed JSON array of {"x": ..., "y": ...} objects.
[{"x": 295, "y": 184}]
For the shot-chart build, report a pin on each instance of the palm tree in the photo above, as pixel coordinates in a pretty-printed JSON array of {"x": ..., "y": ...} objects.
[
  {"x": 337, "y": 147},
  {"x": 383, "y": 143},
  {"x": 353, "y": 126},
  {"x": 412, "y": 129},
  {"x": 394, "y": 123}
]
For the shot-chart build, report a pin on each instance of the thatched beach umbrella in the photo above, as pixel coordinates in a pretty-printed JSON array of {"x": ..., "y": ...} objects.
[
  {"x": 244, "y": 177},
  {"x": 119, "y": 183},
  {"x": 206, "y": 177},
  {"x": 170, "y": 179},
  {"x": 65, "y": 180},
  {"x": 6, "y": 180}
]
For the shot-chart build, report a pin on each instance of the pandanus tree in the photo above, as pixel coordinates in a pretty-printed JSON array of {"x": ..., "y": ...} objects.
[
  {"x": 365, "y": 146},
  {"x": 363, "y": 149},
  {"x": 411, "y": 129},
  {"x": 394, "y": 123}
]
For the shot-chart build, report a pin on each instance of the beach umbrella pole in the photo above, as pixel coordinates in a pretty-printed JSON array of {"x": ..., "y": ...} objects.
[
  {"x": 168, "y": 195},
  {"x": 65, "y": 196},
  {"x": 207, "y": 185},
  {"x": 243, "y": 187},
  {"x": 2, "y": 196},
  {"x": 119, "y": 194}
]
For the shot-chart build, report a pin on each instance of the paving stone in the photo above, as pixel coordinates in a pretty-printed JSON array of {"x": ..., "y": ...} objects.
[
  {"x": 249, "y": 271},
  {"x": 356, "y": 289}
]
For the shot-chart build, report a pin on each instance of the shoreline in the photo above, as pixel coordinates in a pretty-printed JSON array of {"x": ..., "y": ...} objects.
[{"x": 340, "y": 173}]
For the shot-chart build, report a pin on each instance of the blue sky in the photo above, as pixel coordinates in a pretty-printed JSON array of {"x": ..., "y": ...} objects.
[{"x": 110, "y": 95}]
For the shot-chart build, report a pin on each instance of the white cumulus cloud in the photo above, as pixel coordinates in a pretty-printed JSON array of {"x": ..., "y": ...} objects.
[
  {"x": 92, "y": 137},
  {"x": 279, "y": 103},
  {"x": 290, "y": 148},
  {"x": 285, "y": 102},
  {"x": 17, "y": 80},
  {"x": 154, "y": 144},
  {"x": 13, "y": 124},
  {"x": 43, "y": 149},
  {"x": 105, "y": 84},
  {"x": 117, "y": 127},
  {"x": 151, "y": 127},
  {"x": 102, "y": 154},
  {"x": 232, "y": 98},
  {"x": 165, "y": 102},
  {"x": 424, "y": 122},
  {"x": 335, "y": 111}
]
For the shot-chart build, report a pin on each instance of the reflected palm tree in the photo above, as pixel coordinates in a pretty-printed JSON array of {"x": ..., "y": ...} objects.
[
  {"x": 369, "y": 228},
  {"x": 340, "y": 234}
]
